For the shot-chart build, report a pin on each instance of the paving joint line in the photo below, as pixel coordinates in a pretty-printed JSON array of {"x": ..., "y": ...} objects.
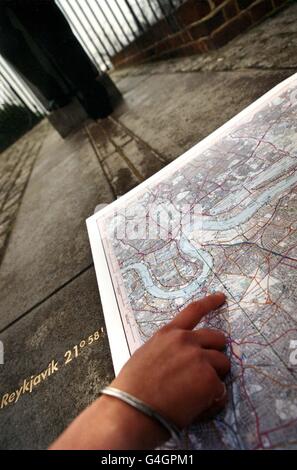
[
  {"x": 47, "y": 297},
  {"x": 128, "y": 162},
  {"x": 205, "y": 70},
  {"x": 100, "y": 161},
  {"x": 11, "y": 219},
  {"x": 158, "y": 155}
]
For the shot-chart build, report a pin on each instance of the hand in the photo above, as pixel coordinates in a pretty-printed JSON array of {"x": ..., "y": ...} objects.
[{"x": 178, "y": 371}]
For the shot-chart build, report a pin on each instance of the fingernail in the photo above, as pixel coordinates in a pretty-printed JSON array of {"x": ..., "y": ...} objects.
[{"x": 220, "y": 293}]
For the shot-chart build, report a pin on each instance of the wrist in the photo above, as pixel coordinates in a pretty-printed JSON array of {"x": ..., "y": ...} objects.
[{"x": 127, "y": 428}]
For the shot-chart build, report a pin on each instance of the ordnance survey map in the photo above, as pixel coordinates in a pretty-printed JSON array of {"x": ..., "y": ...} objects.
[{"x": 220, "y": 217}]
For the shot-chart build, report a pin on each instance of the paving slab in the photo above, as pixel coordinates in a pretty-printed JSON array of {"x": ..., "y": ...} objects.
[
  {"x": 16, "y": 164},
  {"x": 125, "y": 159},
  {"x": 120, "y": 174},
  {"x": 171, "y": 111},
  {"x": 143, "y": 158},
  {"x": 60, "y": 334},
  {"x": 128, "y": 82},
  {"x": 49, "y": 243}
]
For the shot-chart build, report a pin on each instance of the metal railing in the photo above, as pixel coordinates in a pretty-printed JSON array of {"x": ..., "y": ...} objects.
[
  {"x": 14, "y": 90},
  {"x": 103, "y": 27}
]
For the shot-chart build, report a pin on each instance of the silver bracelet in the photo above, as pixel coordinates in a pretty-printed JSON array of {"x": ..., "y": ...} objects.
[{"x": 145, "y": 409}]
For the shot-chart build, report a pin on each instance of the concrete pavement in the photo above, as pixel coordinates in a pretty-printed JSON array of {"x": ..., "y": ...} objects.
[
  {"x": 51, "y": 323},
  {"x": 16, "y": 164}
]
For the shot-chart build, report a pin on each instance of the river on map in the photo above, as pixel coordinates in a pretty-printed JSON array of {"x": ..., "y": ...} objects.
[{"x": 211, "y": 223}]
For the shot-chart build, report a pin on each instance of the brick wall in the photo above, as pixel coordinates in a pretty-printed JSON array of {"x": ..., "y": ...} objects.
[{"x": 196, "y": 26}]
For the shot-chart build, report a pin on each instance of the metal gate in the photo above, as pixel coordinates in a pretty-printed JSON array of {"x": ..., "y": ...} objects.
[{"x": 103, "y": 27}]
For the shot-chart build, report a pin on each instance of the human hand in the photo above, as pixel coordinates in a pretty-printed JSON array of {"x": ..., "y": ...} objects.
[{"x": 178, "y": 371}]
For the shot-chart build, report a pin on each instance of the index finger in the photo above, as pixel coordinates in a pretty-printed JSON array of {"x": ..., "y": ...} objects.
[{"x": 190, "y": 316}]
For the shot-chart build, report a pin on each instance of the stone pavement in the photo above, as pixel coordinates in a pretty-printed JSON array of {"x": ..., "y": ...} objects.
[
  {"x": 51, "y": 323},
  {"x": 16, "y": 164},
  {"x": 269, "y": 46},
  {"x": 124, "y": 158},
  {"x": 202, "y": 92}
]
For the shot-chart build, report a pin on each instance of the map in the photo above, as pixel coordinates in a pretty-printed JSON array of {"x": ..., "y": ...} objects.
[{"x": 223, "y": 216}]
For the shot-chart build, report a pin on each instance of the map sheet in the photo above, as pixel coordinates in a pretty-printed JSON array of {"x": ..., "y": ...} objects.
[{"x": 220, "y": 217}]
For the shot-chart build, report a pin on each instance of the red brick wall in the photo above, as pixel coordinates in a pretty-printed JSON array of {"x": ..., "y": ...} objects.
[{"x": 196, "y": 26}]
